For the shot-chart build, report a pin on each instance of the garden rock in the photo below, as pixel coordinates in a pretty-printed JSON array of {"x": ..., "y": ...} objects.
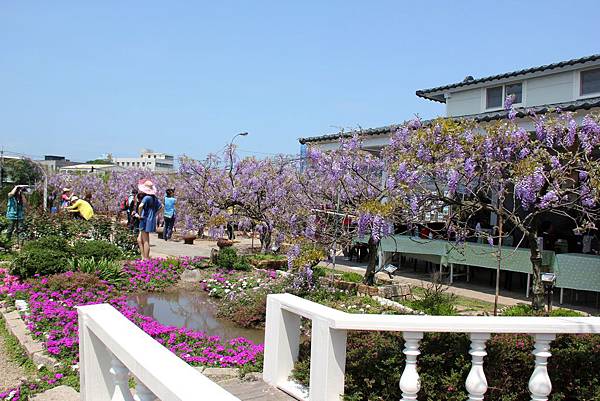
[
  {"x": 190, "y": 276},
  {"x": 395, "y": 291},
  {"x": 364, "y": 289},
  {"x": 220, "y": 374},
  {"x": 60, "y": 393}
]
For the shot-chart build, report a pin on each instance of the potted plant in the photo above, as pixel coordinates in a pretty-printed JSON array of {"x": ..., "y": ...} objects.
[
  {"x": 188, "y": 237},
  {"x": 224, "y": 243}
]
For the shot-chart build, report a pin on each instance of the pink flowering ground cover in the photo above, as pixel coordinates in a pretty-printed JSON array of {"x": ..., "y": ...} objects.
[
  {"x": 53, "y": 317},
  {"x": 158, "y": 273}
]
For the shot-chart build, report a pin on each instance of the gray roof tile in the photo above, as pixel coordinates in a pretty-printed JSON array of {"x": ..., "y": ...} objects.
[
  {"x": 583, "y": 104},
  {"x": 424, "y": 93}
]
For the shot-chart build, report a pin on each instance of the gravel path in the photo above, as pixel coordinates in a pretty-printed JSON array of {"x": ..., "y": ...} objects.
[{"x": 10, "y": 373}]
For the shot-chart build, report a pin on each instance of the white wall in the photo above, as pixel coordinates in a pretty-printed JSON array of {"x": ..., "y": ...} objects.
[
  {"x": 464, "y": 102},
  {"x": 550, "y": 89},
  {"x": 537, "y": 91}
]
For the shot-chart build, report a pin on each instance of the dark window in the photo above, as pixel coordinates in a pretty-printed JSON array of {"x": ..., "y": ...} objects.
[
  {"x": 590, "y": 81},
  {"x": 493, "y": 97},
  {"x": 515, "y": 90}
]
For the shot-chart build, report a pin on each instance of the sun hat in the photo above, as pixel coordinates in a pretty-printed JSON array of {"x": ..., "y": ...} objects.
[
  {"x": 73, "y": 198},
  {"x": 147, "y": 187},
  {"x": 67, "y": 190}
]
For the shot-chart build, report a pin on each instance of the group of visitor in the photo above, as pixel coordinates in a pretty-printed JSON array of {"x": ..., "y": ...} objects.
[
  {"x": 70, "y": 203},
  {"x": 81, "y": 208},
  {"x": 143, "y": 209}
]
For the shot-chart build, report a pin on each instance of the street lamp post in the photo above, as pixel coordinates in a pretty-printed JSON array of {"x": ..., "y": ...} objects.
[{"x": 231, "y": 154}]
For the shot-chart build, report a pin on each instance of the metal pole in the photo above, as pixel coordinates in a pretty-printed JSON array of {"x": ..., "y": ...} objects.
[
  {"x": 1, "y": 167},
  {"x": 337, "y": 210},
  {"x": 45, "y": 192},
  {"x": 499, "y": 255}
]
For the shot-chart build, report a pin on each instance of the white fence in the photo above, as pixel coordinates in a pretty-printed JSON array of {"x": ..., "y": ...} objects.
[
  {"x": 328, "y": 345},
  {"x": 111, "y": 348}
]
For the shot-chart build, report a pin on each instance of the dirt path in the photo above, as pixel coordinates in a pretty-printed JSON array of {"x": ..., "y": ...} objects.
[{"x": 10, "y": 372}]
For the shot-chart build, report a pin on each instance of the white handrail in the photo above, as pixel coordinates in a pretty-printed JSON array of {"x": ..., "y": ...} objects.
[
  {"x": 328, "y": 344},
  {"x": 110, "y": 346}
]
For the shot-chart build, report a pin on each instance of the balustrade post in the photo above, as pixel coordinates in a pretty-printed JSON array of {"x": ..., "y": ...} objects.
[
  {"x": 96, "y": 382},
  {"x": 476, "y": 383},
  {"x": 282, "y": 339},
  {"x": 121, "y": 378},
  {"x": 410, "y": 383},
  {"x": 540, "y": 385},
  {"x": 143, "y": 393},
  {"x": 327, "y": 362}
]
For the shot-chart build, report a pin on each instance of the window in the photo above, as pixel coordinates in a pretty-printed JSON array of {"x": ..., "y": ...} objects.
[
  {"x": 493, "y": 97},
  {"x": 590, "y": 81},
  {"x": 515, "y": 90}
]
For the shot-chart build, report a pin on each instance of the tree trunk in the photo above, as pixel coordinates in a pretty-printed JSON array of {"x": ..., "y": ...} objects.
[
  {"x": 537, "y": 290},
  {"x": 265, "y": 240},
  {"x": 369, "y": 278}
]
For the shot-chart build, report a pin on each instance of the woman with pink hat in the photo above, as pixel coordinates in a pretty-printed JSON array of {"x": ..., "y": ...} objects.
[{"x": 148, "y": 211}]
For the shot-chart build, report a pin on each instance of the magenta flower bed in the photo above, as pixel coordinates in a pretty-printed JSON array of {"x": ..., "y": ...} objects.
[
  {"x": 53, "y": 317},
  {"x": 156, "y": 274}
]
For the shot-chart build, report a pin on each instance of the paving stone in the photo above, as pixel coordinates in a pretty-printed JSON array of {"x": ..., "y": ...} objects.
[
  {"x": 218, "y": 374},
  {"x": 60, "y": 393},
  {"x": 257, "y": 390}
]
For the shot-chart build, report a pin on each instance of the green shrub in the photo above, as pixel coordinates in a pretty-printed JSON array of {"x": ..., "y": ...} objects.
[
  {"x": 42, "y": 261},
  {"x": 352, "y": 277},
  {"x": 560, "y": 312},
  {"x": 5, "y": 243},
  {"x": 242, "y": 264},
  {"x": 435, "y": 301},
  {"x": 374, "y": 365},
  {"x": 527, "y": 310},
  {"x": 52, "y": 242},
  {"x": 126, "y": 241},
  {"x": 107, "y": 270},
  {"x": 96, "y": 249},
  {"x": 102, "y": 228},
  {"x": 227, "y": 258}
]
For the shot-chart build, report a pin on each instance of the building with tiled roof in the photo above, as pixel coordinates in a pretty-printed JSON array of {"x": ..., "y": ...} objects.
[{"x": 572, "y": 85}]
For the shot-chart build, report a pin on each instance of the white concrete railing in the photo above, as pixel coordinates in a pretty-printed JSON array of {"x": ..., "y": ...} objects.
[
  {"x": 328, "y": 345},
  {"x": 111, "y": 347}
]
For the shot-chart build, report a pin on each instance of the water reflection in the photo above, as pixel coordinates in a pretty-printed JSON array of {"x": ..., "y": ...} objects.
[{"x": 191, "y": 309}]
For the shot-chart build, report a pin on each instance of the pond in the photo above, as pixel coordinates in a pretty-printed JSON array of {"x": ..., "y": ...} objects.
[{"x": 193, "y": 310}]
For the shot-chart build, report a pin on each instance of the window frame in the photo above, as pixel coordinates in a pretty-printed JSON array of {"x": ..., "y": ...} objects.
[
  {"x": 503, "y": 86},
  {"x": 579, "y": 83}
]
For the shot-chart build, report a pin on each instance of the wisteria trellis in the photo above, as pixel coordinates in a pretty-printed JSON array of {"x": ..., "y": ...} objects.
[{"x": 460, "y": 163}]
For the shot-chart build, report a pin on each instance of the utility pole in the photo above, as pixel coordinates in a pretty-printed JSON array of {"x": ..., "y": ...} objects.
[{"x": 1, "y": 167}]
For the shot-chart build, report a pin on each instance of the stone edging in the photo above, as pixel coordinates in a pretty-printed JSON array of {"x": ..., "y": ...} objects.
[{"x": 16, "y": 326}]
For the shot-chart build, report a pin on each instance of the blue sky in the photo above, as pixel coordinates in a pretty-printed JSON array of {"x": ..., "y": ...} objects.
[{"x": 82, "y": 79}]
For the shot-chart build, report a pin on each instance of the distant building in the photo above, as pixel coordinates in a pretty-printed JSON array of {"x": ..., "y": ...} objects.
[
  {"x": 572, "y": 85},
  {"x": 91, "y": 168},
  {"x": 153, "y": 161},
  {"x": 54, "y": 163}
]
